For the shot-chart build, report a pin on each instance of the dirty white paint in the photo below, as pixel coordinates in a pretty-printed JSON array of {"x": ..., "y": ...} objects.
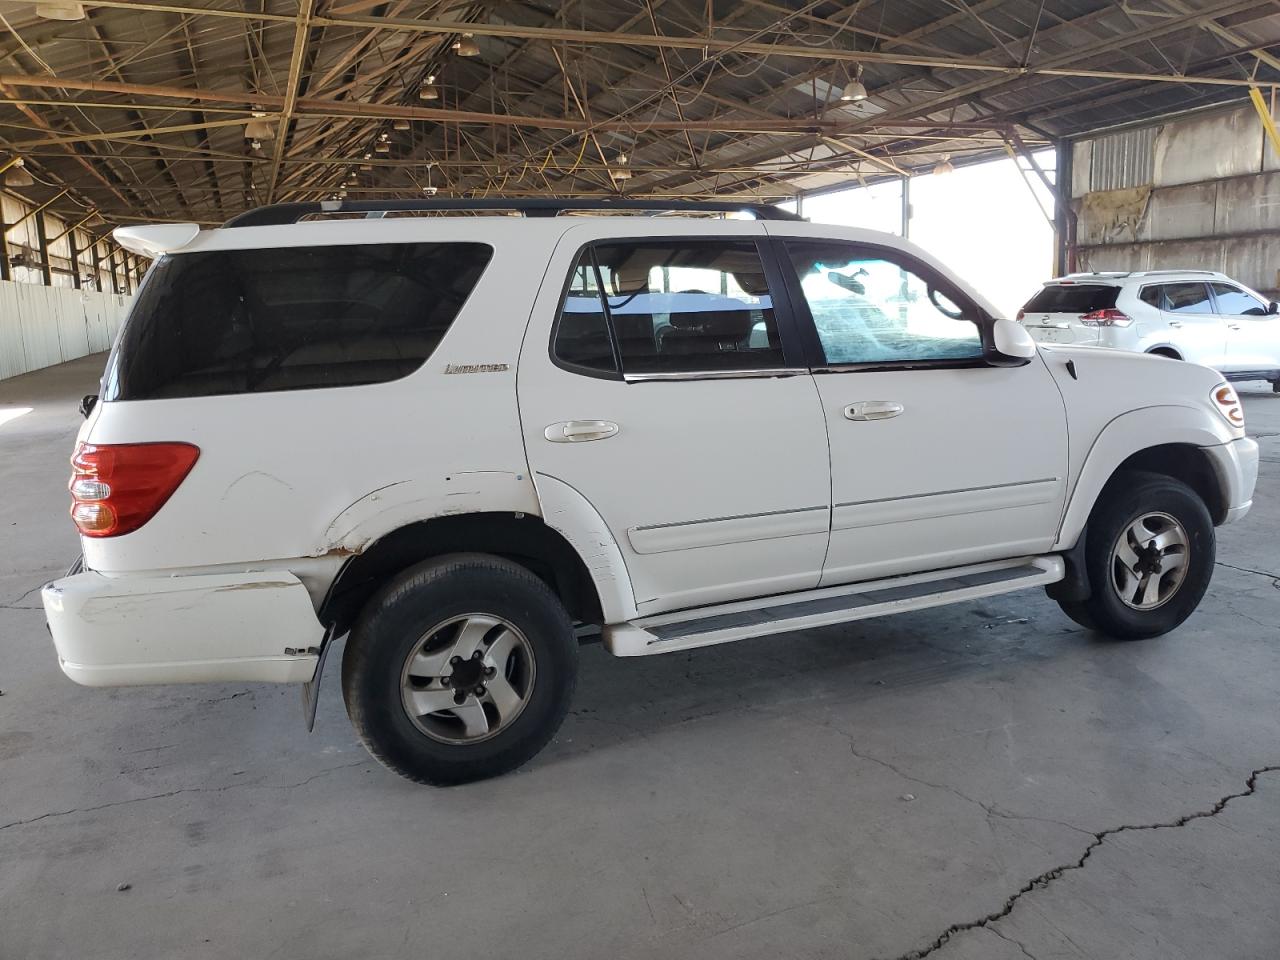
[{"x": 41, "y": 326}]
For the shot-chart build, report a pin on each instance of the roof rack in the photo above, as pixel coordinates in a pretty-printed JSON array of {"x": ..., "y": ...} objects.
[
  {"x": 1168, "y": 273},
  {"x": 282, "y": 213}
]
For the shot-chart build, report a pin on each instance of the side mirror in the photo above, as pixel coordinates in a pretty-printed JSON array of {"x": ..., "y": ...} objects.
[
  {"x": 87, "y": 403},
  {"x": 1273, "y": 307},
  {"x": 1013, "y": 345}
]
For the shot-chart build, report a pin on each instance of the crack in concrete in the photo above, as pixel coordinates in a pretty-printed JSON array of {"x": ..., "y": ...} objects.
[
  {"x": 173, "y": 793},
  {"x": 1045, "y": 879},
  {"x": 1017, "y": 943},
  {"x": 1274, "y": 578},
  {"x": 990, "y": 808},
  {"x": 234, "y": 696},
  {"x": 12, "y": 604}
]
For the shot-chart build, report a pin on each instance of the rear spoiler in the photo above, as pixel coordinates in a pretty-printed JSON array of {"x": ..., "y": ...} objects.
[{"x": 155, "y": 239}]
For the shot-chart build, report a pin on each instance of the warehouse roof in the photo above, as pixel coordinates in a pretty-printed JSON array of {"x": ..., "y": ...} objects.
[{"x": 200, "y": 109}]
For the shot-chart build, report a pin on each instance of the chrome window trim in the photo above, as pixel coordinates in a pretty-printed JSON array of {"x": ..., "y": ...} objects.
[
  {"x": 889, "y": 366},
  {"x": 768, "y": 372}
]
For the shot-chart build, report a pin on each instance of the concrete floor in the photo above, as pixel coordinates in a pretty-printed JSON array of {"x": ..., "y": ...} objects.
[{"x": 983, "y": 781}]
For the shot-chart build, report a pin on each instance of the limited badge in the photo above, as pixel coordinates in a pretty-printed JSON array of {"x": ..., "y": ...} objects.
[{"x": 476, "y": 367}]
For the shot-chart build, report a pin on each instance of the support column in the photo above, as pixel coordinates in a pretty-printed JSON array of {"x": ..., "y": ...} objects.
[
  {"x": 43, "y": 239},
  {"x": 1064, "y": 218},
  {"x": 906, "y": 207},
  {"x": 75, "y": 259},
  {"x": 97, "y": 266},
  {"x": 115, "y": 280},
  {"x": 5, "y": 272}
]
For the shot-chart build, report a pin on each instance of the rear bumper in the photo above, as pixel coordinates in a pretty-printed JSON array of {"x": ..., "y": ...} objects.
[
  {"x": 1236, "y": 464},
  {"x": 115, "y": 631}
]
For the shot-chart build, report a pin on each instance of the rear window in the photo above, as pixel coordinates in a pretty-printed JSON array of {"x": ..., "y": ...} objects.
[
  {"x": 253, "y": 321},
  {"x": 1073, "y": 298}
]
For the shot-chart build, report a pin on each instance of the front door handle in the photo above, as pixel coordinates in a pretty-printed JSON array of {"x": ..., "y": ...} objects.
[
  {"x": 578, "y": 431},
  {"x": 873, "y": 410},
  {"x": 1175, "y": 323},
  {"x": 1233, "y": 326}
]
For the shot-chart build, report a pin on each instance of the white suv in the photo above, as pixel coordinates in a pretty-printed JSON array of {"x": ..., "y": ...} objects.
[
  {"x": 1194, "y": 315},
  {"x": 468, "y": 441}
]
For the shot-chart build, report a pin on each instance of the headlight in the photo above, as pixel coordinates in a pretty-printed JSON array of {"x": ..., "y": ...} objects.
[{"x": 1227, "y": 403}]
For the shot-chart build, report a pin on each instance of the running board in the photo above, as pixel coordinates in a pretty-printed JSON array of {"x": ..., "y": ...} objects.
[{"x": 829, "y": 605}]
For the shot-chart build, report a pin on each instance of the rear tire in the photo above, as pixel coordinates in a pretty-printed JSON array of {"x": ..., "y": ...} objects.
[
  {"x": 1149, "y": 557},
  {"x": 1162, "y": 352},
  {"x": 437, "y": 713}
]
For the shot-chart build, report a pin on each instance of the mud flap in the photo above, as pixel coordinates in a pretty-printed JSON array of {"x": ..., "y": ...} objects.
[{"x": 311, "y": 689}]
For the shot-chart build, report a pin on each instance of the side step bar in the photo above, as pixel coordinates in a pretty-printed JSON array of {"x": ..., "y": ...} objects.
[{"x": 819, "y": 608}]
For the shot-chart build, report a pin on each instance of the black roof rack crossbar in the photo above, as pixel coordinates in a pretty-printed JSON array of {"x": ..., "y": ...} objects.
[{"x": 282, "y": 213}]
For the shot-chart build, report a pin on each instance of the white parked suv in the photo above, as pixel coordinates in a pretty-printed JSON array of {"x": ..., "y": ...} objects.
[
  {"x": 466, "y": 442},
  {"x": 1194, "y": 315}
]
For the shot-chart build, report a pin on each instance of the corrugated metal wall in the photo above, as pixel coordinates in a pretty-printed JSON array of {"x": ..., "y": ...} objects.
[
  {"x": 1212, "y": 186},
  {"x": 1123, "y": 160},
  {"x": 41, "y": 326}
]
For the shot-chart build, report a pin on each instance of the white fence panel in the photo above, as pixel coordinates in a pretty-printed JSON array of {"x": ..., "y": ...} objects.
[{"x": 41, "y": 326}]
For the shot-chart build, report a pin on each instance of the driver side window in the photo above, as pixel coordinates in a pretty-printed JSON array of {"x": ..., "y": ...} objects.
[{"x": 868, "y": 309}]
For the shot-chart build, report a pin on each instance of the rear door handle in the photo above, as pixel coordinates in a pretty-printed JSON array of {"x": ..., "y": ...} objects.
[
  {"x": 873, "y": 410},
  {"x": 578, "y": 431},
  {"x": 1233, "y": 326},
  {"x": 1175, "y": 323}
]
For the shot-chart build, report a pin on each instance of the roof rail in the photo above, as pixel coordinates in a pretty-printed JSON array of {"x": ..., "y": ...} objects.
[
  {"x": 1166, "y": 273},
  {"x": 282, "y": 213}
]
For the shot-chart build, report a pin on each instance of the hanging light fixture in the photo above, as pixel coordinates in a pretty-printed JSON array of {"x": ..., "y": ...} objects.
[
  {"x": 382, "y": 147},
  {"x": 465, "y": 46},
  {"x": 944, "y": 166},
  {"x": 402, "y": 125},
  {"x": 854, "y": 91},
  {"x": 621, "y": 169},
  {"x": 429, "y": 90},
  {"x": 259, "y": 129},
  {"x": 60, "y": 11},
  {"x": 15, "y": 174}
]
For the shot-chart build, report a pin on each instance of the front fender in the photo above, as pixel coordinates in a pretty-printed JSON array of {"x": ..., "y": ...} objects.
[{"x": 1120, "y": 439}]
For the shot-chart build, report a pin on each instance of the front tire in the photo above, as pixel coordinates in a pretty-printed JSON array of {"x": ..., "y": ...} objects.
[
  {"x": 1149, "y": 557},
  {"x": 460, "y": 668}
]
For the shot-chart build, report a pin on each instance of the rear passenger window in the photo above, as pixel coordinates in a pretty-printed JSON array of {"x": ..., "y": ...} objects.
[
  {"x": 1187, "y": 298},
  {"x": 293, "y": 318},
  {"x": 669, "y": 307},
  {"x": 1153, "y": 296}
]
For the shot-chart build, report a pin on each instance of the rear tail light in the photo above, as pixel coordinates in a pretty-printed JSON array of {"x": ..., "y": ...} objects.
[
  {"x": 1021, "y": 315},
  {"x": 1228, "y": 404},
  {"x": 117, "y": 487},
  {"x": 1106, "y": 318}
]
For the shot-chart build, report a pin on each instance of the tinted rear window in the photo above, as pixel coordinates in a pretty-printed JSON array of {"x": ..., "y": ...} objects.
[
  {"x": 251, "y": 321},
  {"x": 1073, "y": 298}
]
